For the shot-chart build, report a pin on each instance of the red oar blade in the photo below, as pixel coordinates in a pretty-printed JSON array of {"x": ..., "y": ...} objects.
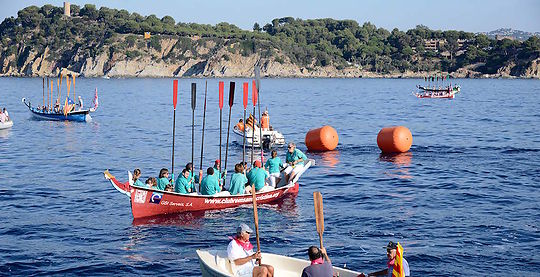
[
  {"x": 193, "y": 95},
  {"x": 175, "y": 93},
  {"x": 246, "y": 92},
  {"x": 221, "y": 88},
  {"x": 231, "y": 93},
  {"x": 255, "y": 93}
]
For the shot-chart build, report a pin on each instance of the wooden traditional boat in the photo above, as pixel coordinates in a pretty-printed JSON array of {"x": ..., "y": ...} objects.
[
  {"x": 78, "y": 115},
  {"x": 454, "y": 89},
  {"x": 215, "y": 263},
  {"x": 6, "y": 125},
  {"x": 149, "y": 202}
]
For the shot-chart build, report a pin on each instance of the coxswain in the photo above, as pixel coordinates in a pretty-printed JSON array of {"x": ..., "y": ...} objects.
[{"x": 295, "y": 159}]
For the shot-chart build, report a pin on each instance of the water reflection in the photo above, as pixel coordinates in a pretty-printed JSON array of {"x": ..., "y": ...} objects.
[
  {"x": 402, "y": 161},
  {"x": 4, "y": 133},
  {"x": 328, "y": 159},
  {"x": 185, "y": 219}
]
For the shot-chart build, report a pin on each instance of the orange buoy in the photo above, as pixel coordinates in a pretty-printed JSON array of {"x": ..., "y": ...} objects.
[
  {"x": 396, "y": 139},
  {"x": 322, "y": 139}
]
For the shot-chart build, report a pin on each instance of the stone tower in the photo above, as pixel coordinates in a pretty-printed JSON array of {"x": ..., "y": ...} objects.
[{"x": 67, "y": 11}]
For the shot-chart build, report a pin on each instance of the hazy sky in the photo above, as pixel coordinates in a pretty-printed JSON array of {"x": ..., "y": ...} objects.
[{"x": 465, "y": 15}]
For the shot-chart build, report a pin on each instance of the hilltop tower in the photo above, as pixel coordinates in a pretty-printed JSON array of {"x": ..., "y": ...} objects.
[{"x": 67, "y": 11}]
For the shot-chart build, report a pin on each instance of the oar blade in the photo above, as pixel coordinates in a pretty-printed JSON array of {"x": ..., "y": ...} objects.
[
  {"x": 231, "y": 93},
  {"x": 175, "y": 93},
  {"x": 246, "y": 92},
  {"x": 193, "y": 95},
  {"x": 319, "y": 213},
  {"x": 221, "y": 88},
  {"x": 254, "y": 93},
  {"x": 258, "y": 77}
]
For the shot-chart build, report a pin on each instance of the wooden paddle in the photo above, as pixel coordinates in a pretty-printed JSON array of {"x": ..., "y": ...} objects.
[
  {"x": 231, "y": 102},
  {"x": 175, "y": 100},
  {"x": 319, "y": 215},
  {"x": 256, "y": 219}
]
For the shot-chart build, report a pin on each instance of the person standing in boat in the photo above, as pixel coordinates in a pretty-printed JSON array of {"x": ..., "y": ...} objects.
[
  {"x": 273, "y": 166},
  {"x": 210, "y": 184},
  {"x": 242, "y": 257},
  {"x": 238, "y": 180},
  {"x": 5, "y": 112},
  {"x": 257, "y": 175},
  {"x": 321, "y": 265},
  {"x": 265, "y": 121},
  {"x": 80, "y": 103},
  {"x": 184, "y": 184},
  {"x": 391, "y": 252},
  {"x": 57, "y": 106},
  {"x": 163, "y": 179},
  {"x": 295, "y": 161}
]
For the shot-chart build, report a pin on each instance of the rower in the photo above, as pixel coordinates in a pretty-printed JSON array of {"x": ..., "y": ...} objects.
[
  {"x": 210, "y": 184},
  {"x": 218, "y": 174},
  {"x": 238, "y": 180},
  {"x": 240, "y": 253},
  {"x": 136, "y": 178},
  {"x": 163, "y": 179},
  {"x": 257, "y": 175},
  {"x": 295, "y": 159},
  {"x": 183, "y": 183},
  {"x": 151, "y": 182},
  {"x": 321, "y": 265}
]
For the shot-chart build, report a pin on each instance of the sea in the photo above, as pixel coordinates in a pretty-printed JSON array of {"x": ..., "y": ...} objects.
[{"x": 464, "y": 201}]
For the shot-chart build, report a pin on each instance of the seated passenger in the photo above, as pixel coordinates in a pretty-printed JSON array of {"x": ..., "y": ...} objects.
[
  {"x": 238, "y": 180},
  {"x": 183, "y": 185},
  {"x": 163, "y": 179},
  {"x": 136, "y": 178},
  {"x": 295, "y": 159},
  {"x": 219, "y": 174},
  {"x": 273, "y": 165},
  {"x": 210, "y": 184},
  {"x": 151, "y": 182},
  {"x": 320, "y": 263},
  {"x": 242, "y": 257},
  {"x": 257, "y": 175}
]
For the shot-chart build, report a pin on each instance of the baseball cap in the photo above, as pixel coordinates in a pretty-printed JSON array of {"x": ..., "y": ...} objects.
[
  {"x": 391, "y": 245},
  {"x": 217, "y": 161},
  {"x": 243, "y": 228}
]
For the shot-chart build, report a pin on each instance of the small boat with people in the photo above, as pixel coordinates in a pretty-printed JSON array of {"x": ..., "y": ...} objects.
[
  {"x": 270, "y": 136},
  {"x": 435, "y": 87},
  {"x": 5, "y": 120},
  {"x": 50, "y": 114}
]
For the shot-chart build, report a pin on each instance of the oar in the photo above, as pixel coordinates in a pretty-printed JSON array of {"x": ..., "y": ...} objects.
[
  {"x": 175, "y": 99},
  {"x": 319, "y": 215},
  {"x": 50, "y": 95},
  {"x": 258, "y": 82},
  {"x": 193, "y": 104},
  {"x": 73, "y": 87},
  {"x": 246, "y": 91},
  {"x": 254, "y": 101},
  {"x": 221, "y": 88},
  {"x": 256, "y": 219},
  {"x": 202, "y": 140},
  {"x": 231, "y": 101},
  {"x": 44, "y": 90}
]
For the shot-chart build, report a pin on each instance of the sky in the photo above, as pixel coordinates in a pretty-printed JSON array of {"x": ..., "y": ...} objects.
[{"x": 462, "y": 15}]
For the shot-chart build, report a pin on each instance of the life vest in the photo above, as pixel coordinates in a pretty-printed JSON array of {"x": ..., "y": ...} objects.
[
  {"x": 265, "y": 122},
  {"x": 240, "y": 126}
]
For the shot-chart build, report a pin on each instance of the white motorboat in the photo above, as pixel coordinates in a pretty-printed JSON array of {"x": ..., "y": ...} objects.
[
  {"x": 270, "y": 137},
  {"x": 6, "y": 125},
  {"x": 215, "y": 263}
]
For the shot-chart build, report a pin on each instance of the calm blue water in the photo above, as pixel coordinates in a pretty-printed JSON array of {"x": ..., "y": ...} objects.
[{"x": 464, "y": 201}]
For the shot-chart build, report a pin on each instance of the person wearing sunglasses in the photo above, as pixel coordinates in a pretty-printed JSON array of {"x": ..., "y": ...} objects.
[{"x": 295, "y": 160}]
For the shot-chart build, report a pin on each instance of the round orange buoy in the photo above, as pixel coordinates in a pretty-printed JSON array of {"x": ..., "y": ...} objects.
[
  {"x": 396, "y": 139},
  {"x": 322, "y": 139}
]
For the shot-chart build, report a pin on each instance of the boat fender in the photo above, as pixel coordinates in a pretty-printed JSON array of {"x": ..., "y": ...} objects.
[
  {"x": 395, "y": 139},
  {"x": 322, "y": 139}
]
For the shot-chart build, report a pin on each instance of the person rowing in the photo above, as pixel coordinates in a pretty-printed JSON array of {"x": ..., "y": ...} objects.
[
  {"x": 184, "y": 184},
  {"x": 136, "y": 178},
  {"x": 257, "y": 175},
  {"x": 295, "y": 161},
  {"x": 240, "y": 253},
  {"x": 238, "y": 180},
  {"x": 321, "y": 265},
  {"x": 163, "y": 180}
]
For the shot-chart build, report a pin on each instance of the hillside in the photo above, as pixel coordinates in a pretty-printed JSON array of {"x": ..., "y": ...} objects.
[{"x": 41, "y": 41}]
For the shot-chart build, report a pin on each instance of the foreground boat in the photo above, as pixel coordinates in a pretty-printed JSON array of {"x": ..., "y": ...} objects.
[
  {"x": 149, "y": 202},
  {"x": 215, "y": 263},
  {"x": 79, "y": 115},
  {"x": 6, "y": 124}
]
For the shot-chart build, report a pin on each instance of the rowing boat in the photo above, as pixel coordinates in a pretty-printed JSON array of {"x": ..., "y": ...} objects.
[
  {"x": 149, "y": 202},
  {"x": 215, "y": 263},
  {"x": 78, "y": 115}
]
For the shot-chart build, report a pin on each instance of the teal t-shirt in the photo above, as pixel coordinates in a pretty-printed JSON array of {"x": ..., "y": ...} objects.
[
  {"x": 209, "y": 185},
  {"x": 162, "y": 183},
  {"x": 238, "y": 183},
  {"x": 296, "y": 155},
  {"x": 273, "y": 165},
  {"x": 195, "y": 177},
  {"x": 257, "y": 176},
  {"x": 182, "y": 185},
  {"x": 138, "y": 183}
]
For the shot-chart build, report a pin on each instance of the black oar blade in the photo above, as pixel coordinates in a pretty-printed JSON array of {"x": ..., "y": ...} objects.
[
  {"x": 193, "y": 95},
  {"x": 231, "y": 93}
]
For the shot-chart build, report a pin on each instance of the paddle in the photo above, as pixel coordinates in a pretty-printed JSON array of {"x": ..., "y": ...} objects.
[
  {"x": 254, "y": 101},
  {"x": 202, "y": 140},
  {"x": 221, "y": 88},
  {"x": 256, "y": 219},
  {"x": 44, "y": 90},
  {"x": 50, "y": 95},
  {"x": 231, "y": 101},
  {"x": 319, "y": 215},
  {"x": 175, "y": 100},
  {"x": 258, "y": 82},
  {"x": 193, "y": 104},
  {"x": 246, "y": 92}
]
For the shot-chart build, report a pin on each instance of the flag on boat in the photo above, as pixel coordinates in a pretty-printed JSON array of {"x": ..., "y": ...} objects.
[
  {"x": 95, "y": 101},
  {"x": 398, "y": 263}
]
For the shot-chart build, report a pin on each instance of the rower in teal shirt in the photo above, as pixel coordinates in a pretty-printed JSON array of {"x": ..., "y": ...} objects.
[
  {"x": 163, "y": 179},
  {"x": 137, "y": 180},
  {"x": 238, "y": 181},
  {"x": 182, "y": 184},
  {"x": 218, "y": 174},
  {"x": 210, "y": 184},
  {"x": 257, "y": 175}
]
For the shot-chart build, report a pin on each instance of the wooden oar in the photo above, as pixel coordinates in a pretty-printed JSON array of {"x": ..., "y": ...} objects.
[
  {"x": 44, "y": 90},
  {"x": 175, "y": 99},
  {"x": 231, "y": 101},
  {"x": 221, "y": 88},
  {"x": 50, "y": 95},
  {"x": 246, "y": 92},
  {"x": 193, "y": 104},
  {"x": 254, "y": 101},
  {"x": 258, "y": 83},
  {"x": 202, "y": 140},
  {"x": 256, "y": 219},
  {"x": 319, "y": 215}
]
